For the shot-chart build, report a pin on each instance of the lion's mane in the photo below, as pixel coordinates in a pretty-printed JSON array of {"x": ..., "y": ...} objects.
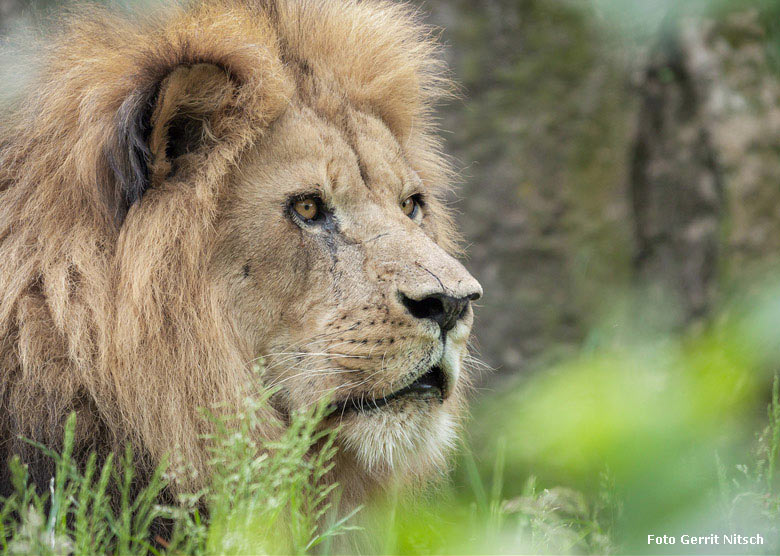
[{"x": 109, "y": 316}]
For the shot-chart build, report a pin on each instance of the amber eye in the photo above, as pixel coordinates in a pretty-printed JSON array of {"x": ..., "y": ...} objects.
[
  {"x": 410, "y": 206},
  {"x": 307, "y": 208}
]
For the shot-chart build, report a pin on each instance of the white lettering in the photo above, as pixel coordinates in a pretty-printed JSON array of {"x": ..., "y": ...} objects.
[
  {"x": 711, "y": 539},
  {"x": 708, "y": 539},
  {"x": 736, "y": 538}
]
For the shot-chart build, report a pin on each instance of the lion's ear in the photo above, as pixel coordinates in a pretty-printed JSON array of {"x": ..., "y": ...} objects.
[
  {"x": 182, "y": 123},
  {"x": 164, "y": 130}
]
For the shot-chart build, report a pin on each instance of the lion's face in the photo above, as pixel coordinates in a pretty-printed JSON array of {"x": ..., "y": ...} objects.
[{"x": 328, "y": 249}]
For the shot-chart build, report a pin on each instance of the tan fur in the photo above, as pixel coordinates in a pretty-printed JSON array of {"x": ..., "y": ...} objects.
[{"x": 136, "y": 308}]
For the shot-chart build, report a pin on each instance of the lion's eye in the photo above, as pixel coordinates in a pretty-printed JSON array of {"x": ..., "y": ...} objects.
[
  {"x": 410, "y": 206},
  {"x": 307, "y": 208}
]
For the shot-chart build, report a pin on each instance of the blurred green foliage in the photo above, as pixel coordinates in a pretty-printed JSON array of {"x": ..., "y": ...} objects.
[
  {"x": 653, "y": 410},
  {"x": 641, "y": 433}
]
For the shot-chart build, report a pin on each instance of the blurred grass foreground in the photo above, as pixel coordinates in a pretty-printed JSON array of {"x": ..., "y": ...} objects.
[{"x": 642, "y": 433}]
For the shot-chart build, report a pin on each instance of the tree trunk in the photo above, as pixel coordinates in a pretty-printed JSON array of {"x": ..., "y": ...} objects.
[{"x": 676, "y": 185}]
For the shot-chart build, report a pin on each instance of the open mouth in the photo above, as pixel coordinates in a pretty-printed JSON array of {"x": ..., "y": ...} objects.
[{"x": 432, "y": 384}]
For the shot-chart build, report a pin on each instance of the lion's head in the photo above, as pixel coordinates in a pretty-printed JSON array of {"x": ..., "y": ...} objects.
[
  {"x": 192, "y": 191},
  {"x": 328, "y": 248}
]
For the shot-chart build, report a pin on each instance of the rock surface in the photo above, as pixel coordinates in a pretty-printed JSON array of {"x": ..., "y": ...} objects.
[{"x": 594, "y": 162}]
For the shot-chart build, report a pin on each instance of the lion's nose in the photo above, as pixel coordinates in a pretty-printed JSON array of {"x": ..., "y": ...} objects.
[{"x": 444, "y": 310}]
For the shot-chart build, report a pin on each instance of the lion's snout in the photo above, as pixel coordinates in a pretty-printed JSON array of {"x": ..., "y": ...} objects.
[{"x": 445, "y": 310}]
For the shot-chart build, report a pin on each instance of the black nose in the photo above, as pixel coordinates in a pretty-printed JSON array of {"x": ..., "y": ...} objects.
[{"x": 445, "y": 310}]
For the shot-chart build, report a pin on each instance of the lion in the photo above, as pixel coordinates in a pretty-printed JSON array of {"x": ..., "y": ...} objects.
[{"x": 190, "y": 189}]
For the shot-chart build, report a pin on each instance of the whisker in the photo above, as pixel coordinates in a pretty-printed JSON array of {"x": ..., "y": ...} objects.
[{"x": 310, "y": 372}]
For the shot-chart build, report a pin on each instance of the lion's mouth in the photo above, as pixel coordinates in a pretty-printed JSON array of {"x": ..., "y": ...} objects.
[{"x": 430, "y": 385}]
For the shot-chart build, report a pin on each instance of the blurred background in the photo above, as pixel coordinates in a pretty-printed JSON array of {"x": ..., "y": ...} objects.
[
  {"x": 620, "y": 200},
  {"x": 607, "y": 145}
]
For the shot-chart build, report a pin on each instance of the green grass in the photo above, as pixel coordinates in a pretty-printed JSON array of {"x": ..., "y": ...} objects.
[
  {"x": 263, "y": 497},
  {"x": 80, "y": 518}
]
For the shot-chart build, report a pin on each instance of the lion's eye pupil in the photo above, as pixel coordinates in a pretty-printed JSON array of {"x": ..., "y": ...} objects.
[{"x": 307, "y": 208}]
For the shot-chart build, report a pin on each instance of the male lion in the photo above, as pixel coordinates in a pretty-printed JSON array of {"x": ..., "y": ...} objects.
[{"x": 184, "y": 192}]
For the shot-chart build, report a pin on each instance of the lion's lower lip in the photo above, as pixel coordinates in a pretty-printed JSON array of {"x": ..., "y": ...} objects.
[{"x": 430, "y": 385}]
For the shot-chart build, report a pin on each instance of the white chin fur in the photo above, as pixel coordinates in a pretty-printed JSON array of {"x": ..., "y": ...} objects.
[{"x": 392, "y": 441}]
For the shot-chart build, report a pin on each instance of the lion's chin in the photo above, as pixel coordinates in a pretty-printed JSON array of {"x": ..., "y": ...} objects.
[
  {"x": 412, "y": 434},
  {"x": 411, "y": 430}
]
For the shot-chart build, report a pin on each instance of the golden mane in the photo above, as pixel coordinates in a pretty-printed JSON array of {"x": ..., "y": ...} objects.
[{"x": 107, "y": 315}]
